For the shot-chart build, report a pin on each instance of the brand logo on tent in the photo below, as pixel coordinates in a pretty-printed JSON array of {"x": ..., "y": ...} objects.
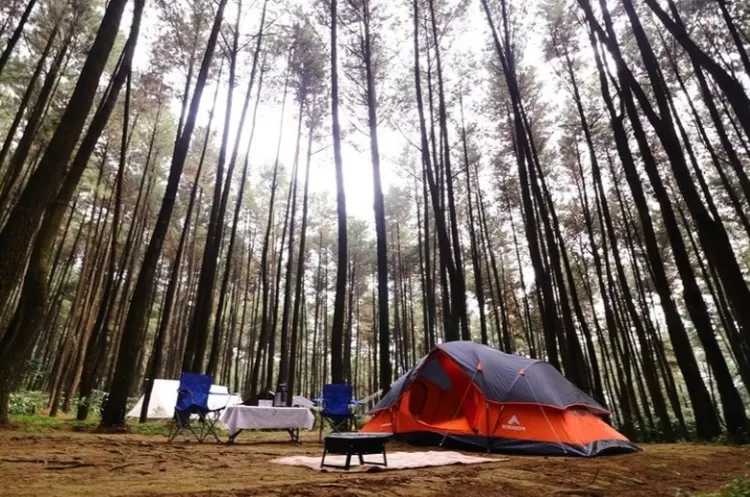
[{"x": 514, "y": 424}]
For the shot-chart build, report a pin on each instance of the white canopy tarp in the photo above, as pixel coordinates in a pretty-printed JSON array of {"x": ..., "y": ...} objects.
[
  {"x": 164, "y": 398},
  {"x": 301, "y": 401}
]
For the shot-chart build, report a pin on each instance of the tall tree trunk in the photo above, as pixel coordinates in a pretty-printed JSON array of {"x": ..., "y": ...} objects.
[
  {"x": 5, "y": 55},
  {"x": 337, "y": 332},
  {"x": 199, "y": 325},
  {"x": 268, "y": 385},
  {"x": 478, "y": 286},
  {"x": 227, "y": 186},
  {"x": 446, "y": 257},
  {"x": 286, "y": 352},
  {"x": 729, "y": 85},
  {"x": 26, "y": 98},
  {"x": 550, "y": 317},
  {"x": 504, "y": 334},
  {"x": 380, "y": 227},
  {"x": 265, "y": 328},
  {"x": 423, "y": 248},
  {"x": 710, "y": 231},
  {"x": 719, "y": 243},
  {"x": 19, "y": 230},
  {"x": 316, "y": 358},
  {"x": 349, "y": 324},
  {"x": 675, "y": 323},
  {"x": 114, "y": 409},
  {"x": 30, "y": 311},
  {"x": 458, "y": 282},
  {"x": 77, "y": 305},
  {"x": 300, "y": 281},
  {"x": 174, "y": 279}
]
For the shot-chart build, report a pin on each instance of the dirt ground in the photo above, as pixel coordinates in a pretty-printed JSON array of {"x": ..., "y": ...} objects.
[{"x": 88, "y": 464}]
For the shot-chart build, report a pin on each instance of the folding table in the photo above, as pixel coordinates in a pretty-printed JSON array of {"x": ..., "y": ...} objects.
[{"x": 291, "y": 419}]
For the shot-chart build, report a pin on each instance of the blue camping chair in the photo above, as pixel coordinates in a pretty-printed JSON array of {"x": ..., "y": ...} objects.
[
  {"x": 192, "y": 399},
  {"x": 335, "y": 408}
]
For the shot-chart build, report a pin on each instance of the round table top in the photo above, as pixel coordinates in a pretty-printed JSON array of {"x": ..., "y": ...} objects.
[{"x": 359, "y": 436}]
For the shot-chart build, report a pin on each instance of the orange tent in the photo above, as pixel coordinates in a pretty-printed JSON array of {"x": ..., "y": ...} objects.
[{"x": 469, "y": 395}]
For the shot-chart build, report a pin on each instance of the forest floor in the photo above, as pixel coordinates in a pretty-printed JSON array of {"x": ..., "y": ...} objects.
[{"x": 69, "y": 463}]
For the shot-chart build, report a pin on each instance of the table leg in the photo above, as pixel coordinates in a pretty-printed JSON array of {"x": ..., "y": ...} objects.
[
  {"x": 293, "y": 434},
  {"x": 232, "y": 436}
]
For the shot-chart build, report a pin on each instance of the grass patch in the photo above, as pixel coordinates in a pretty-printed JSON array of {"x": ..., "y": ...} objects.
[
  {"x": 37, "y": 423},
  {"x": 151, "y": 428},
  {"x": 34, "y": 423}
]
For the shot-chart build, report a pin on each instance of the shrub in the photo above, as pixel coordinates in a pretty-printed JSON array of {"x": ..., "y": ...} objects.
[
  {"x": 739, "y": 487},
  {"x": 96, "y": 402},
  {"x": 27, "y": 402}
]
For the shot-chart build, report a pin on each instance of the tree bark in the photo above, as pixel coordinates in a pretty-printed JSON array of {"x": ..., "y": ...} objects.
[
  {"x": 380, "y": 226},
  {"x": 300, "y": 282},
  {"x": 337, "y": 332},
  {"x": 287, "y": 353}
]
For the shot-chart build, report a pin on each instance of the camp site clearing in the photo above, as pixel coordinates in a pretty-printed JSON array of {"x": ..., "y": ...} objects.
[{"x": 65, "y": 463}]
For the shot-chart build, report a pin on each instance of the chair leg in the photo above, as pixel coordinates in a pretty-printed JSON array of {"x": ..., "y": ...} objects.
[
  {"x": 201, "y": 431},
  {"x": 207, "y": 432},
  {"x": 385, "y": 460},
  {"x": 198, "y": 434},
  {"x": 211, "y": 421},
  {"x": 348, "y": 463},
  {"x": 173, "y": 431},
  {"x": 176, "y": 429},
  {"x": 323, "y": 459}
]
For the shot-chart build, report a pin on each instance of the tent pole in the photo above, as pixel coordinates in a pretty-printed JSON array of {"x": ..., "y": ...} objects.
[
  {"x": 487, "y": 422},
  {"x": 559, "y": 442},
  {"x": 458, "y": 409}
]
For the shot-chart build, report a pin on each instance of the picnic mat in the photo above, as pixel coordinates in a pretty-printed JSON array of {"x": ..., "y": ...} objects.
[{"x": 396, "y": 460}]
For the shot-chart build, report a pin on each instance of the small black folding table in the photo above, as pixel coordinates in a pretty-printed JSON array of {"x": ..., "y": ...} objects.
[{"x": 361, "y": 444}]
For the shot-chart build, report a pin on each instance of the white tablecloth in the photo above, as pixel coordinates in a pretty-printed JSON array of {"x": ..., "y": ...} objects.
[{"x": 237, "y": 418}]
